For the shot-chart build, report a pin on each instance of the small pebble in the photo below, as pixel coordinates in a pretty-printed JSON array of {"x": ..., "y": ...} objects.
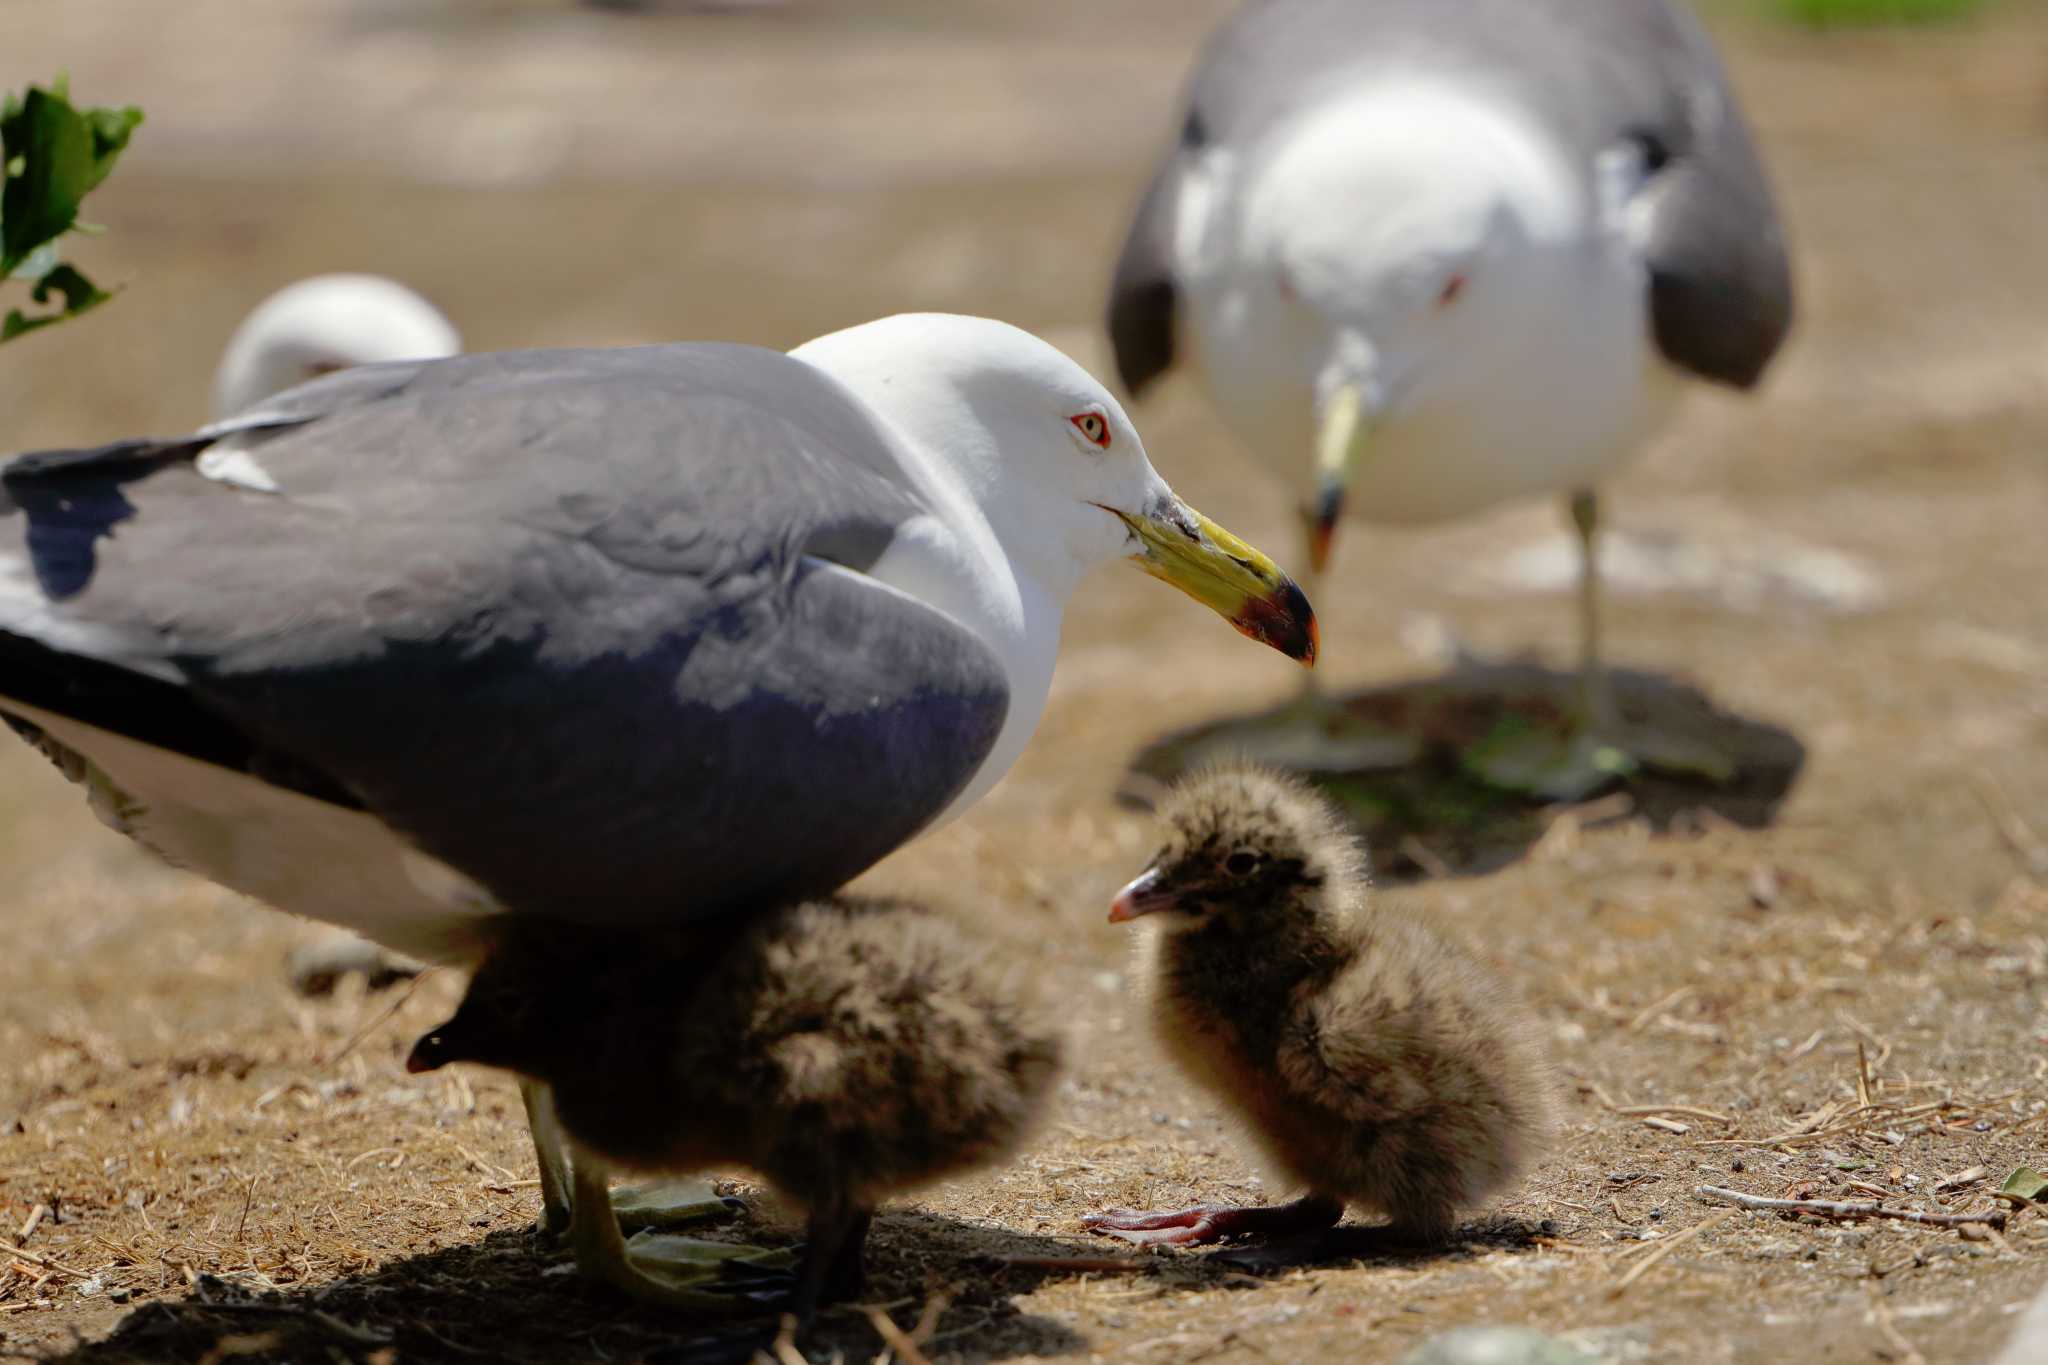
[{"x": 1495, "y": 1346}]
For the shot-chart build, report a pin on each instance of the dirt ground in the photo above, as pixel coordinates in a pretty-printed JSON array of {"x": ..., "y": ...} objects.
[{"x": 1838, "y": 993}]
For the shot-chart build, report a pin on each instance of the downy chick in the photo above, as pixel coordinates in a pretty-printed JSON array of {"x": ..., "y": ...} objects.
[
  {"x": 847, "y": 1050},
  {"x": 1370, "y": 1061}
]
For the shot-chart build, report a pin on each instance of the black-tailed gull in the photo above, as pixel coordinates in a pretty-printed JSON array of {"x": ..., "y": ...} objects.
[
  {"x": 615, "y": 637},
  {"x": 1430, "y": 255}
]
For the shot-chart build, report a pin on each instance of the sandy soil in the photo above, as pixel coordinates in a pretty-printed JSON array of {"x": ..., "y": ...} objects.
[{"x": 1859, "y": 566}]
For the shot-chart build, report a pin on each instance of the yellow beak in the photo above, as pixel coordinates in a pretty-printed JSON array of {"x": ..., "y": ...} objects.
[
  {"x": 1182, "y": 547},
  {"x": 1341, "y": 443}
]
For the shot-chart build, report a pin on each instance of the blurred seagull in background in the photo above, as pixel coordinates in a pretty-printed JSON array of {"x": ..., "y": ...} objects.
[
  {"x": 322, "y": 324},
  {"x": 1431, "y": 255}
]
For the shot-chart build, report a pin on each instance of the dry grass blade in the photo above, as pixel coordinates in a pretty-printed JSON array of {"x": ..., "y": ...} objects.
[
  {"x": 36, "y": 1216},
  {"x": 928, "y": 1317},
  {"x": 44, "y": 1262},
  {"x": 366, "y": 1030},
  {"x": 1664, "y": 1249},
  {"x": 784, "y": 1345},
  {"x": 899, "y": 1340},
  {"x": 1824, "y": 1208},
  {"x": 1637, "y": 1024},
  {"x": 1682, "y": 1111}
]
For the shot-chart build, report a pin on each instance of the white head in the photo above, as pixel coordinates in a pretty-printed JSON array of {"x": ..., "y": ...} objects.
[
  {"x": 329, "y": 322},
  {"x": 1053, "y": 464},
  {"x": 1413, "y": 242}
]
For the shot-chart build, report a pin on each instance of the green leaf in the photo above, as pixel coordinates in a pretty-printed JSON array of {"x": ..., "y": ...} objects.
[
  {"x": 111, "y": 129},
  {"x": 55, "y": 148},
  {"x": 2025, "y": 1182},
  {"x": 80, "y": 295},
  {"x": 54, "y": 156}
]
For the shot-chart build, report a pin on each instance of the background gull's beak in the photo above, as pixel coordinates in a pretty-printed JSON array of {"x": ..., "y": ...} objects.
[
  {"x": 1182, "y": 547},
  {"x": 1341, "y": 440}
]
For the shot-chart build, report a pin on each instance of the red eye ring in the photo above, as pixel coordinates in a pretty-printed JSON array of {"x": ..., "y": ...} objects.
[
  {"x": 1448, "y": 295},
  {"x": 1094, "y": 426}
]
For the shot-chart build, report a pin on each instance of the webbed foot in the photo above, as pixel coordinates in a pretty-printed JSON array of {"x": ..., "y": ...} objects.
[{"x": 1206, "y": 1223}]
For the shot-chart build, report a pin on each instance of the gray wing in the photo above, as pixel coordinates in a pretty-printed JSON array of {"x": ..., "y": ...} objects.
[
  {"x": 1720, "y": 275},
  {"x": 589, "y": 627},
  {"x": 1601, "y": 73},
  {"x": 1143, "y": 295}
]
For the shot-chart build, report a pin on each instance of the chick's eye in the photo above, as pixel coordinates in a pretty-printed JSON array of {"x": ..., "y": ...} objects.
[
  {"x": 1452, "y": 288},
  {"x": 1242, "y": 863},
  {"x": 1094, "y": 426}
]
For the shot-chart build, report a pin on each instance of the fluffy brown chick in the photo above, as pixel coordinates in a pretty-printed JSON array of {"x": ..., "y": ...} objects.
[
  {"x": 1370, "y": 1061},
  {"x": 847, "y": 1050}
]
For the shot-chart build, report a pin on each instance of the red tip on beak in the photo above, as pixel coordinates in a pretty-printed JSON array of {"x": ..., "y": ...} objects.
[
  {"x": 1322, "y": 525},
  {"x": 1285, "y": 620},
  {"x": 1319, "y": 537}
]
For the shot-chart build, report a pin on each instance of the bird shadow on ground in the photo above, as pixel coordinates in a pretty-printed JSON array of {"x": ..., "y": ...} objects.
[
  {"x": 1428, "y": 813},
  {"x": 508, "y": 1298}
]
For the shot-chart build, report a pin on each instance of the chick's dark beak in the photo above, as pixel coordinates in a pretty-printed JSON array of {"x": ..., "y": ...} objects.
[
  {"x": 1147, "y": 894},
  {"x": 430, "y": 1053}
]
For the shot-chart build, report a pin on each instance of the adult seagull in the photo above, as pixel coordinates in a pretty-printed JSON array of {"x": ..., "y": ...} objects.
[
  {"x": 622, "y": 637},
  {"x": 1430, "y": 255}
]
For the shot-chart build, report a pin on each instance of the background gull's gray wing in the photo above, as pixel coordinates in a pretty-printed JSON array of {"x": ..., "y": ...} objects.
[
  {"x": 1709, "y": 230},
  {"x": 588, "y": 627},
  {"x": 1599, "y": 73},
  {"x": 1143, "y": 295}
]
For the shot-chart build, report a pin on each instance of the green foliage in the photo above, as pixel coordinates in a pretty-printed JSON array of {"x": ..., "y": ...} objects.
[
  {"x": 1833, "y": 13},
  {"x": 52, "y": 155},
  {"x": 2026, "y": 1183}
]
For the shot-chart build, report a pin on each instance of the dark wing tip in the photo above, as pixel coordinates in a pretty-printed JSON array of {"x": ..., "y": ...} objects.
[
  {"x": 122, "y": 458},
  {"x": 1141, "y": 323},
  {"x": 1724, "y": 335}
]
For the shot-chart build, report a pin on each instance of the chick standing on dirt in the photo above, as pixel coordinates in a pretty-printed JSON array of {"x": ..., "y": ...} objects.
[
  {"x": 845, "y": 1049},
  {"x": 1371, "y": 1062}
]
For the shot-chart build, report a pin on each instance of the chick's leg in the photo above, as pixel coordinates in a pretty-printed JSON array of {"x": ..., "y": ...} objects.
[
  {"x": 1206, "y": 1223},
  {"x": 834, "y": 1241}
]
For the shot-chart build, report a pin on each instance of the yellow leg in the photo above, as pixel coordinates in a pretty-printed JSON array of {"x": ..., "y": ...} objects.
[
  {"x": 549, "y": 1153},
  {"x": 668, "y": 1271}
]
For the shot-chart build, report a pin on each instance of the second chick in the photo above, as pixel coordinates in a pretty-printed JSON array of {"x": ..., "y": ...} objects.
[
  {"x": 1369, "y": 1060},
  {"x": 845, "y": 1049}
]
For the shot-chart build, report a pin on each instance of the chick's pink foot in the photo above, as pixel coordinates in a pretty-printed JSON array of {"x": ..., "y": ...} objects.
[{"x": 1206, "y": 1223}]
